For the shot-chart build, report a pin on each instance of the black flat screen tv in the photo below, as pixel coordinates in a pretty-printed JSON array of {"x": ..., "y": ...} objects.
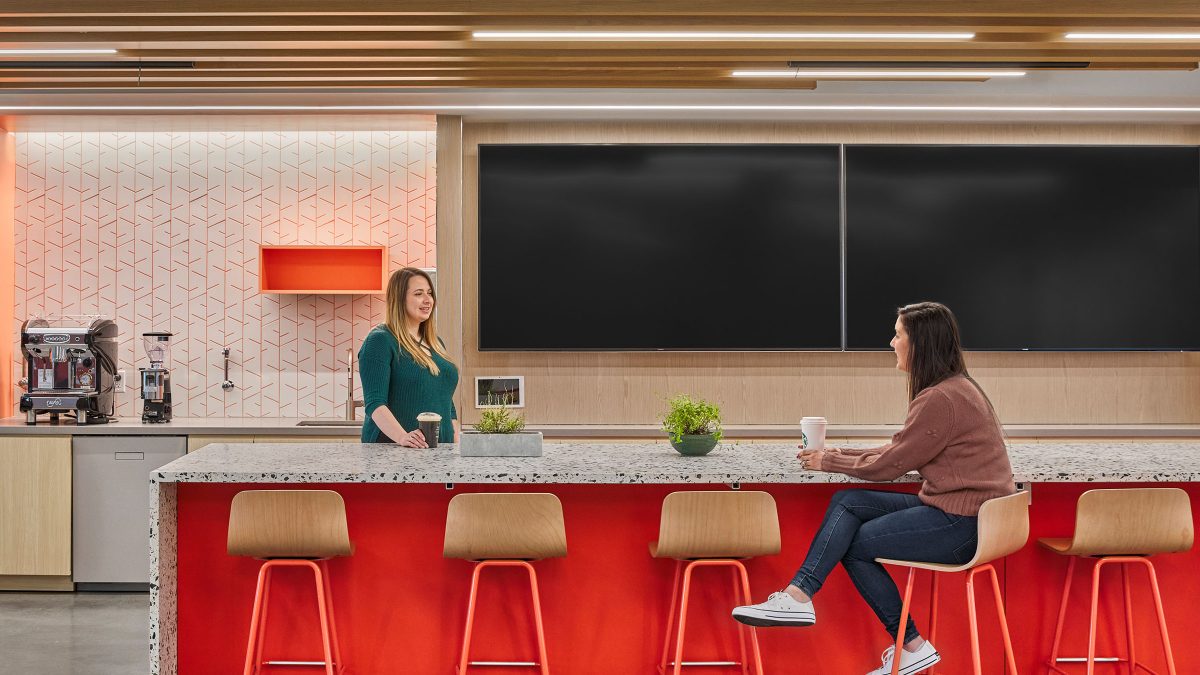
[
  {"x": 659, "y": 247},
  {"x": 1039, "y": 248}
]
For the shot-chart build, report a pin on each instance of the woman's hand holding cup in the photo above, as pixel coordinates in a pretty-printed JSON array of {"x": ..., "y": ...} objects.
[
  {"x": 811, "y": 459},
  {"x": 412, "y": 439}
]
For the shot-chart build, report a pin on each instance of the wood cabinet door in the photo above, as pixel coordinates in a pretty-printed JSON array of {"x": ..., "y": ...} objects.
[{"x": 35, "y": 505}]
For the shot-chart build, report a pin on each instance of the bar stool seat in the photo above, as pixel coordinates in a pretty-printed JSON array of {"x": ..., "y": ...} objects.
[
  {"x": 290, "y": 528},
  {"x": 1122, "y": 527},
  {"x": 1003, "y": 529},
  {"x": 505, "y": 530},
  {"x": 714, "y": 529}
]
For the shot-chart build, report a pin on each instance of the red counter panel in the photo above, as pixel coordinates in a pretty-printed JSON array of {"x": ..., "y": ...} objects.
[{"x": 401, "y": 607}]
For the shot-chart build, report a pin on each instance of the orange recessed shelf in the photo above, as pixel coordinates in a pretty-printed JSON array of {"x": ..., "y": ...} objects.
[{"x": 324, "y": 270}]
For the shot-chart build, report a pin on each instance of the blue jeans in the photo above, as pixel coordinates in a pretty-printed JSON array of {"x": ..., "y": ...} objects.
[{"x": 862, "y": 525}]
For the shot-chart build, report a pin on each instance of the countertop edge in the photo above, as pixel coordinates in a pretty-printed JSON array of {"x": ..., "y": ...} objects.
[{"x": 288, "y": 426}]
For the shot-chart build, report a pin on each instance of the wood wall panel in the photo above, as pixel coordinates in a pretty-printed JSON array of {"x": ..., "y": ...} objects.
[
  {"x": 779, "y": 388},
  {"x": 449, "y": 161}
]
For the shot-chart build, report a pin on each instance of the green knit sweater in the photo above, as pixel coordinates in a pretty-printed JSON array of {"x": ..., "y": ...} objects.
[{"x": 390, "y": 376}]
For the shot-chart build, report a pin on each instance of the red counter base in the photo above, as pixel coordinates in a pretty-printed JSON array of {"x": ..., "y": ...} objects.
[{"x": 401, "y": 607}]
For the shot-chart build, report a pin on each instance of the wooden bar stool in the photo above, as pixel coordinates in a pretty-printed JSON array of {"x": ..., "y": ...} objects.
[
  {"x": 714, "y": 529},
  {"x": 290, "y": 528},
  {"x": 1003, "y": 529},
  {"x": 505, "y": 530},
  {"x": 1122, "y": 527}
]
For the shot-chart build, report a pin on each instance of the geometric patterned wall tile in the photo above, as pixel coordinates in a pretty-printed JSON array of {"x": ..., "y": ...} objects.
[{"x": 160, "y": 231}]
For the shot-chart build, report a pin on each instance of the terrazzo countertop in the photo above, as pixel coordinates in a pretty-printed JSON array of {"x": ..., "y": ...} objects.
[{"x": 634, "y": 463}]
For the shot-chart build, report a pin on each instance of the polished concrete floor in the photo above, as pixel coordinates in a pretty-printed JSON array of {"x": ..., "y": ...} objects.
[{"x": 74, "y": 633}]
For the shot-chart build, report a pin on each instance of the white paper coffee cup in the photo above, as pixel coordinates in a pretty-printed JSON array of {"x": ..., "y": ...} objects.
[{"x": 812, "y": 433}]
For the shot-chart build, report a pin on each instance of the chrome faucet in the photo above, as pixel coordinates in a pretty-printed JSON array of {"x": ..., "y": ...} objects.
[{"x": 351, "y": 402}]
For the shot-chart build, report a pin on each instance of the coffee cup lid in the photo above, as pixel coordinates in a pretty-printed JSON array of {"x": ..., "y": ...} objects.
[
  {"x": 812, "y": 419},
  {"x": 429, "y": 417}
]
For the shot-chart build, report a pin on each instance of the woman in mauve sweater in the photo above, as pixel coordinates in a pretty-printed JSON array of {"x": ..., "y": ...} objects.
[
  {"x": 953, "y": 439},
  {"x": 405, "y": 369}
]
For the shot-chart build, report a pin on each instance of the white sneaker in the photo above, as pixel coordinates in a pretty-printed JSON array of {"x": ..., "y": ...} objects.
[
  {"x": 910, "y": 662},
  {"x": 780, "y": 609}
]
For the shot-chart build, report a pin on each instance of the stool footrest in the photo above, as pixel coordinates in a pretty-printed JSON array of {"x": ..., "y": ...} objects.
[
  {"x": 1083, "y": 659},
  {"x": 527, "y": 664},
  {"x": 294, "y": 663},
  {"x": 707, "y": 663}
]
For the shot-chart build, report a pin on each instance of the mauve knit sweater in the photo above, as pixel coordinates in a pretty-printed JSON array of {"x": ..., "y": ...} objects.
[{"x": 952, "y": 439}]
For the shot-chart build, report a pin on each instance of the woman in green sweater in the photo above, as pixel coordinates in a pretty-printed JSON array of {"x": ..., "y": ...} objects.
[{"x": 405, "y": 369}]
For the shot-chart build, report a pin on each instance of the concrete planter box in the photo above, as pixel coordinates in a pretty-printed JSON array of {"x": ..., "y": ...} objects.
[{"x": 521, "y": 444}]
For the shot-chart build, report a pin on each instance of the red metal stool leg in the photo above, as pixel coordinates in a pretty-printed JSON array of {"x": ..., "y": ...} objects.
[
  {"x": 1000, "y": 611},
  {"x": 466, "y": 648},
  {"x": 543, "y": 660},
  {"x": 754, "y": 650},
  {"x": 933, "y": 611},
  {"x": 912, "y": 572},
  {"x": 1128, "y": 619},
  {"x": 1062, "y": 615},
  {"x": 1091, "y": 654},
  {"x": 337, "y": 652},
  {"x": 738, "y": 597},
  {"x": 255, "y": 635},
  {"x": 262, "y": 621},
  {"x": 1158, "y": 608},
  {"x": 683, "y": 606},
  {"x": 662, "y": 667},
  {"x": 973, "y": 620},
  {"x": 323, "y": 612},
  {"x": 537, "y": 619},
  {"x": 258, "y": 617}
]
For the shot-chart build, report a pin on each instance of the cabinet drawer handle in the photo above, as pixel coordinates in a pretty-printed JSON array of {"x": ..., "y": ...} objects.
[{"x": 129, "y": 455}]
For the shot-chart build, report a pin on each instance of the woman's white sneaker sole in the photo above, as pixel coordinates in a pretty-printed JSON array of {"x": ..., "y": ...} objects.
[{"x": 765, "y": 618}]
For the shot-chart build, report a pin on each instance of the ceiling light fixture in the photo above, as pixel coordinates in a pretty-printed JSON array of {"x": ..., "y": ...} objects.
[
  {"x": 650, "y": 107},
  {"x": 710, "y": 35},
  {"x": 95, "y": 65},
  {"x": 63, "y": 52},
  {"x": 1133, "y": 36},
  {"x": 939, "y": 65},
  {"x": 879, "y": 74}
]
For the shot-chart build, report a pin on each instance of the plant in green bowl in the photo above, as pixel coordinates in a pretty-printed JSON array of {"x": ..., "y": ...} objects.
[{"x": 693, "y": 424}]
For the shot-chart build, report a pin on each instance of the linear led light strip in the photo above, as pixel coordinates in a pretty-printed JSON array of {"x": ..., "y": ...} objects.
[
  {"x": 709, "y": 35},
  {"x": 38, "y": 52},
  {"x": 898, "y": 74},
  {"x": 1133, "y": 36},
  {"x": 604, "y": 107}
]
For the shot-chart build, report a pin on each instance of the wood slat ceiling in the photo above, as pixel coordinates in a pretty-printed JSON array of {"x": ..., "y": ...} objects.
[{"x": 426, "y": 44}]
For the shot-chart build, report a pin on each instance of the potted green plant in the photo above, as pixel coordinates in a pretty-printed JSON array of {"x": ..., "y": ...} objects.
[
  {"x": 693, "y": 424},
  {"x": 500, "y": 433}
]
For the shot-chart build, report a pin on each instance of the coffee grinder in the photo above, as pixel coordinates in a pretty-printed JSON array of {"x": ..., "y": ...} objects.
[{"x": 156, "y": 380}]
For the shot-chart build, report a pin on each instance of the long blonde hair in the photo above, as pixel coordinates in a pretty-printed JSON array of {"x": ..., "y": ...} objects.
[{"x": 397, "y": 319}]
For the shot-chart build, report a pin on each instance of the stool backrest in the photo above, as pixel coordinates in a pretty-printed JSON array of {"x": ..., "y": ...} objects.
[
  {"x": 288, "y": 524},
  {"x": 718, "y": 525},
  {"x": 489, "y": 526},
  {"x": 1003, "y": 527},
  {"x": 1132, "y": 521}
]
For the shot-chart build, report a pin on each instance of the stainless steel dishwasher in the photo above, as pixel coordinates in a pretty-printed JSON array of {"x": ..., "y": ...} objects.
[{"x": 111, "y": 508}]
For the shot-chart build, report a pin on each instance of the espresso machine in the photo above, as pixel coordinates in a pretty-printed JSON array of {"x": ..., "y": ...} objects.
[
  {"x": 70, "y": 367},
  {"x": 156, "y": 380}
]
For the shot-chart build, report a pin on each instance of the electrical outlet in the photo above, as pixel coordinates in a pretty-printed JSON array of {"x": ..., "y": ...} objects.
[{"x": 120, "y": 382}]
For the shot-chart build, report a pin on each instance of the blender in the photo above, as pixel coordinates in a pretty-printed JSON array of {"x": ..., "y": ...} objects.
[{"x": 156, "y": 380}]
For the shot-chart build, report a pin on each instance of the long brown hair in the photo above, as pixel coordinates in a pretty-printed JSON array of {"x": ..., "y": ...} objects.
[
  {"x": 397, "y": 319},
  {"x": 934, "y": 346}
]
